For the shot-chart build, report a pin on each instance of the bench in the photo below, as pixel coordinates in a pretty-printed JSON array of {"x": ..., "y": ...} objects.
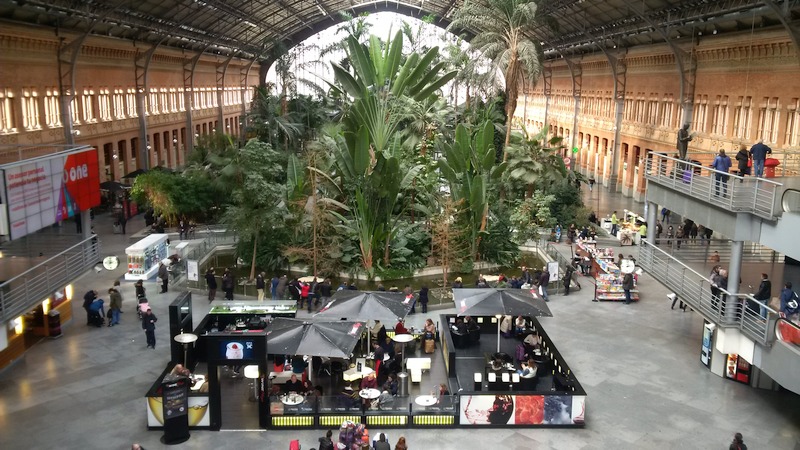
[{"x": 416, "y": 366}]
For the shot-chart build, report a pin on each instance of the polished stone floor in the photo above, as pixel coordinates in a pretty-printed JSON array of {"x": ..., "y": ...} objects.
[{"x": 639, "y": 364}]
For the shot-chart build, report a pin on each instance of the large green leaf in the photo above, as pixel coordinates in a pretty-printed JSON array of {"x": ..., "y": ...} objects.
[
  {"x": 399, "y": 86},
  {"x": 435, "y": 86},
  {"x": 361, "y": 155},
  {"x": 351, "y": 86}
]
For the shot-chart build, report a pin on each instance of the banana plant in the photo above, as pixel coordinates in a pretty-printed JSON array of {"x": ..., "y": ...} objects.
[{"x": 469, "y": 168}]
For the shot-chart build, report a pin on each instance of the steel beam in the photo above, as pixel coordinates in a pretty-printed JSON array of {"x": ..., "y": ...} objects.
[
  {"x": 67, "y": 60},
  {"x": 619, "y": 72},
  {"x": 785, "y": 16},
  {"x": 244, "y": 73},
  {"x": 142, "y": 66},
  {"x": 189, "y": 66},
  {"x": 576, "y": 71},
  {"x": 547, "y": 77},
  {"x": 222, "y": 68}
]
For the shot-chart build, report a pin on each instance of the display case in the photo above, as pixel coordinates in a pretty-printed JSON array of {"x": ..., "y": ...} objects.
[
  {"x": 609, "y": 288},
  {"x": 145, "y": 256}
]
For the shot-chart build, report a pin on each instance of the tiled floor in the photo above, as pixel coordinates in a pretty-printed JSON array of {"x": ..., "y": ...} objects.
[{"x": 640, "y": 365}]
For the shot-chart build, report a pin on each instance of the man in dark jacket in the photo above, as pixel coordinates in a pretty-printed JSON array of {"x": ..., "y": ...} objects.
[
  {"x": 544, "y": 279},
  {"x": 742, "y": 160},
  {"x": 325, "y": 291},
  {"x": 759, "y": 154},
  {"x": 149, "y": 326},
  {"x": 227, "y": 284},
  {"x": 260, "y": 285},
  {"x": 568, "y": 278},
  {"x": 325, "y": 442},
  {"x": 163, "y": 275},
  {"x": 763, "y": 295},
  {"x": 627, "y": 285},
  {"x": 211, "y": 281}
]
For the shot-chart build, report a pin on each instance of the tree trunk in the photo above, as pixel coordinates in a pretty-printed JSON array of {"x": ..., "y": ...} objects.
[
  {"x": 529, "y": 191},
  {"x": 482, "y": 229},
  {"x": 253, "y": 263}
]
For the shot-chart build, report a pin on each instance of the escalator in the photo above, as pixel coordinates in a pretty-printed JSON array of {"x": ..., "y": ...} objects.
[{"x": 781, "y": 361}]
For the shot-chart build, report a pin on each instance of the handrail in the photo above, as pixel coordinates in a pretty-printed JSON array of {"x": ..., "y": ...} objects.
[
  {"x": 787, "y": 331},
  {"x": 727, "y": 310},
  {"x": 742, "y": 194},
  {"x": 24, "y": 291}
]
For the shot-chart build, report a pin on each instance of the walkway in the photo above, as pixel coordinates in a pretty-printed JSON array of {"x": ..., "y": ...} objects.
[{"x": 640, "y": 365}]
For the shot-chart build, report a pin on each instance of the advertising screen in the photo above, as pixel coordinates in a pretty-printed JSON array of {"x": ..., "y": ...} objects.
[
  {"x": 47, "y": 190},
  {"x": 506, "y": 409},
  {"x": 237, "y": 349}
]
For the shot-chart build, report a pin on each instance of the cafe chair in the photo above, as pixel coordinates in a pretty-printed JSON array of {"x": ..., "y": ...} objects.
[{"x": 325, "y": 366}]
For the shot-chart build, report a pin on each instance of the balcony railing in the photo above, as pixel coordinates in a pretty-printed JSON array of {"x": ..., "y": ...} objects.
[
  {"x": 23, "y": 292},
  {"x": 727, "y": 310},
  {"x": 739, "y": 194}
]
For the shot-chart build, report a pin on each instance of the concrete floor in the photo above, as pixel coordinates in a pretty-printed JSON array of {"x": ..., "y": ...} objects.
[{"x": 640, "y": 365}]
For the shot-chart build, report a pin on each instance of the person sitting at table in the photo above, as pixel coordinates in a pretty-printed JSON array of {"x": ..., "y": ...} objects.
[
  {"x": 528, "y": 369},
  {"x": 390, "y": 384},
  {"x": 293, "y": 385},
  {"x": 348, "y": 398},
  {"x": 369, "y": 382},
  {"x": 180, "y": 370},
  {"x": 505, "y": 326},
  {"x": 520, "y": 325},
  {"x": 531, "y": 340},
  {"x": 384, "y": 401},
  {"x": 461, "y": 327},
  {"x": 472, "y": 325},
  {"x": 430, "y": 327},
  {"x": 400, "y": 328},
  {"x": 299, "y": 366},
  {"x": 388, "y": 346},
  {"x": 443, "y": 390}
]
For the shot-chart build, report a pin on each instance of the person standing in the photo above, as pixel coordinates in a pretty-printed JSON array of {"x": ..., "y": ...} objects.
[
  {"x": 211, "y": 281},
  {"x": 789, "y": 305},
  {"x": 683, "y": 141},
  {"x": 163, "y": 275},
  {"x": 274, "y": 287},
  {"x": 764, "y": 294},
  {"x": 114, "y": 305},
  {"x": 88, "y": 298},
  {"x": 122, "y": 221},
  {"x": 742, "y": 160},
  {"x": 665, "y": 215},
  {"x": 423, "y": 298},
  {"x": 627, "y": 285},
  {"x": 722, "y": 163},
  {"x": 305, "y": 289},
  {"x": 227, "y": 284},
  {"x": 381, "y": 443},
  {"x": 759, "y": 153},
  {"x": 568, "y": 278},
  {"x": 325, "y": 291},
  {"x": 182, "y": 230},
  {"x": 544, "y": 280},
  {"x": 642, "y": 233},
  {"x": 738, "y": 442},
  {"x": 325, "y": 442},
  {"x": 149, "y": 325},
  {"x": 614, "y": 223},
  {"x": 260, "y": 286},
  {"x": 714, "y": 278},
  {"x": 281, "y": 289}
]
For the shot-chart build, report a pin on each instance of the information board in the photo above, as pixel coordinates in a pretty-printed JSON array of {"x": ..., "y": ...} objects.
[{"x": 42, "y": 191}]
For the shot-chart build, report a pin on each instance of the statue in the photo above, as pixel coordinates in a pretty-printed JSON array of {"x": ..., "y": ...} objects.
[{"x": 683, "y": 141}]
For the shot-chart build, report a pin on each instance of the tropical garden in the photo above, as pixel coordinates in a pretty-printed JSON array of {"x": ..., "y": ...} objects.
[{"x": 406, "y": 157}]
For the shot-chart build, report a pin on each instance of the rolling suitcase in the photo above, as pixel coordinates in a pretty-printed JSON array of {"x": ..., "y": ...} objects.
[{"x": 429, "y": 344}]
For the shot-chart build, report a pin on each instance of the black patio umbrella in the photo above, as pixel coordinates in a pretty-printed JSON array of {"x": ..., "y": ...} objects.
[
  {"x": 135, "y": 173},
  {"x": 490, "y": 302},
  {"x": 366, "y": 305},
  {"x": 112, "y": 186},
  {"x": 334, "y": 339}
]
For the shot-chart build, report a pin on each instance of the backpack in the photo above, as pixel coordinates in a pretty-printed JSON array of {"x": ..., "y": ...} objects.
[{"x": 792, "y": 304}]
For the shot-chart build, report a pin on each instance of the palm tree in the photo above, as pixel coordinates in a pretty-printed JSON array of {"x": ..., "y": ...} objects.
[
  {"x": 535, "y": 159},
  {"x": 500, "y": 28}
]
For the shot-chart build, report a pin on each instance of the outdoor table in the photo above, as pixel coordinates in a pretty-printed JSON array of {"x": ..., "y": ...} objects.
[
  {"x": 292, "y": 399},
  {"x": 369, "y": 394},
  {"x": 353, "y": 374}
]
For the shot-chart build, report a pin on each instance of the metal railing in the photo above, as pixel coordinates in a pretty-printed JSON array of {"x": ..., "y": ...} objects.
[
  {"x": 788, "y": 160},
  {"x": 702, "y": 250},
  {"x": 199, "y": 250},
  {"x": 23, "y": 292},
  {"x": 728, "y": 310},
  {"x": 732, "y": 192}
]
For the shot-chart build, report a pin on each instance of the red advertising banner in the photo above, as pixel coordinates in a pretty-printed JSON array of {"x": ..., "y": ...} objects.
[{"x": 43, "y": 191}]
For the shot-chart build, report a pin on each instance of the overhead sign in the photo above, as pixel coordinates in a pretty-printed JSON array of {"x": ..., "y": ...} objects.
[{"x": 42, "y": 191}]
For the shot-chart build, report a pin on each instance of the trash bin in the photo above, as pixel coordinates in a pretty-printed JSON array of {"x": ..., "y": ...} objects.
[
  {"x": 54, "y": 324},
  {"x": 402, "y": 384},
  {"x": 769, "y": 167}
]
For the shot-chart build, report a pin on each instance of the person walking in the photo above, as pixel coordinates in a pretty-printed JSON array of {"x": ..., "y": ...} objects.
[
  {"x": 627, "y": 285},
  {"x": 305, "y": 289},
  {"x": 738, "y": 442},
  {"x": 149, "y": 326},
  {"x": 163, "y": 275},
  {"x": 722, "y": 163},
  {"x": 325, "y": 289},
  {"x": 789, "y": 302},
  {"x": 759, "y": 153},
  {"x": 211, "y": 281},
  {"x": 544, "y": 280},
  {"x": 742, "y": 162},
  {"x": 714, "y": 278},
  {"x": 260, "y": 286},
  {"x": 114, "y": 305}
]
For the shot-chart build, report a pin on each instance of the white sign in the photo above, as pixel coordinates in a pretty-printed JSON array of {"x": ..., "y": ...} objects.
[
  {"x": 552, "y": 267},
  {"x": 192, "y": 270}
]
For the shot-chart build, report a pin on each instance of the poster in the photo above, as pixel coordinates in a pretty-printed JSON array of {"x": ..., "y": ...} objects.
[
  {"x": 507, "y": 409},
  {"x": 192, "y": 270},
  {"x": 174, "y": 396},
  {"x": 552, "y": 267},
  {"x": 42, "y": 191},
  {"x": 705, "y": 353},
  {"x": 198, "y": 411}
]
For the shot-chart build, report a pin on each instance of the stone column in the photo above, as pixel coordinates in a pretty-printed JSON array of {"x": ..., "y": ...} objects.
[{"x": 734, "y": 274}]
